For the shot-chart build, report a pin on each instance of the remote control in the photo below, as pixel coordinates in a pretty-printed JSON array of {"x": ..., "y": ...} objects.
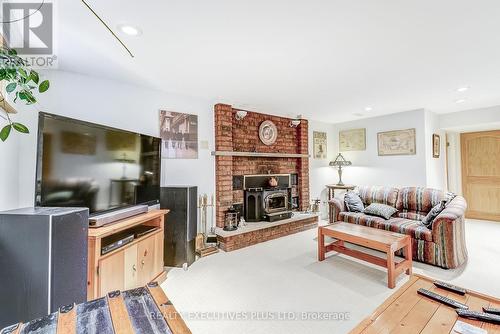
[
  {"x": 442, "y": 299},
  {"x": 449, "y": 287},
  {"x": 474, "y": 315},
  {"x": 492, "y": 310}
]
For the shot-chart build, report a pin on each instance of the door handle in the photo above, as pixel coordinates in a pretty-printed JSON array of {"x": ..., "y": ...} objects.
[{"x": 134, "y": 267}]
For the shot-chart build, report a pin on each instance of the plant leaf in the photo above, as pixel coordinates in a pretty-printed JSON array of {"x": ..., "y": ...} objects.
[
  {"x": 12, "y": 52},
  {"x": 20, "y": 127},
  {"x": 10, "y": 87},
  {"x": 22, "y": 72},
  {"x": 22, "y": 95},
  {"x": 44, "y": 86},
  {"x": 30, "y": 98},
  {"x": 34, "y": 76},
  {"x": 5, "y": 132}
]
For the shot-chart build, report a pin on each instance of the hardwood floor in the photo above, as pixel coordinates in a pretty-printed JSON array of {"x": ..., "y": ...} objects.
[{"x": 407, "y": 312}]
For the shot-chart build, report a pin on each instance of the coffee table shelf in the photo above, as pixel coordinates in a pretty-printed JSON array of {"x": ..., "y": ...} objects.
[{"x": 381, "y": 240}]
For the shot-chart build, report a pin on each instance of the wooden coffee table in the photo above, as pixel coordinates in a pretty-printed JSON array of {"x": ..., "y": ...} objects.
[{"x": 381, "y": 240}]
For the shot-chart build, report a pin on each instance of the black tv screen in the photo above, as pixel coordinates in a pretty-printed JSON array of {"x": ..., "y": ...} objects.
[{"x": 82, "y": 164}]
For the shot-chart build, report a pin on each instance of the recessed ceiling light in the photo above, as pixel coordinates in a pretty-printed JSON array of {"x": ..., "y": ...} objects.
[
  {"x": 368, "y": 108},
  {"x": 462, "y": 89},
  {"x": 460, "y": 101},
  {"x": 130, "y": 30}
]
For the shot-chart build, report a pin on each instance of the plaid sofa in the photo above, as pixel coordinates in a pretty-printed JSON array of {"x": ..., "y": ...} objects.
[{"x": 443, "y": 245}]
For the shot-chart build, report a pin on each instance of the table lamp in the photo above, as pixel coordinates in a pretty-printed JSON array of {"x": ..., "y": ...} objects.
[{"x": 340, "y": 162}]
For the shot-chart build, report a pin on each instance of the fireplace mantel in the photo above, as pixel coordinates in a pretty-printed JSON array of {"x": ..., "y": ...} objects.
[{"x": 259, "y": 154}]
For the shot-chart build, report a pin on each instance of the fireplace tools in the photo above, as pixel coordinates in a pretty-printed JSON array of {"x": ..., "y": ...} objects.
[{"x": 204, "y": 237}]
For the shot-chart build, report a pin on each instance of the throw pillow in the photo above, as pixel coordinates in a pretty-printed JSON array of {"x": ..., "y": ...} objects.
[
  {"x": 353, "y": 202},
  {"x": 435, "y": 211},
  {"x": 449, "y": 196},
  {"x": 380, "y": 210}
]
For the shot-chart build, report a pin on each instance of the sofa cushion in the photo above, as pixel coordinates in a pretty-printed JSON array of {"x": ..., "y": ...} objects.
[
  {"x": 411, "y": 215},
  {"x": 418, "y": 200},
  {"x": 383, "y": 195},
  {"x": 360, "y": 218},
  {"x": 381, "y": 210},
  {"x": 353, "y": 202},
  {"x": 415, "y": 228}
]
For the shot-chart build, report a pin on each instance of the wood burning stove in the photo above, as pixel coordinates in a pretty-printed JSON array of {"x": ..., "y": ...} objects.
[{"x": 263, "y": 202}]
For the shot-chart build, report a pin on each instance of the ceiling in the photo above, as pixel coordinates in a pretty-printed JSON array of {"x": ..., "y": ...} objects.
[{"x": 325, "y": 59}]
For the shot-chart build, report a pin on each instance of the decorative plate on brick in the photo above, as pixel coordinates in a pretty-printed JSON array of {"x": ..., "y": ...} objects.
[{"x": 268, "y": 133}]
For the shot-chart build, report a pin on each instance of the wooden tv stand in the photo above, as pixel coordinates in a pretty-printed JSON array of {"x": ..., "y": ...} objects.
[{"x": 130, "y": 266}]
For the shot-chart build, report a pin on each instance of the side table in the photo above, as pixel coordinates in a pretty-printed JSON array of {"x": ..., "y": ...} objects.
[{"x": 333, "y": 187}]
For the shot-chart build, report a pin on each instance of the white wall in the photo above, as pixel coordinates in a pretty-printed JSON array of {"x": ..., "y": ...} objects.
[
  {"x": 370, "y": 169},
  {"x": 109, "y": 103},
  {"x": 471, "y": 120},
  {"x": 9, "y": 167},
  {"x": 320, "y": 173},
  {"x": 435, "y": 167},
  {"x": 454, "y": 163}
]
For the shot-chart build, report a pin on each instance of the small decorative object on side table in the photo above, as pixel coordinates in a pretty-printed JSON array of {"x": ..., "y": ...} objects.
[{"x": 333, "y": 187}]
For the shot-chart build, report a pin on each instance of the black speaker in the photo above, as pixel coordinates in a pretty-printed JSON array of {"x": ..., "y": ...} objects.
[
  {"x": 43, "y": 260},
  {"x": 180, "y": 225}
]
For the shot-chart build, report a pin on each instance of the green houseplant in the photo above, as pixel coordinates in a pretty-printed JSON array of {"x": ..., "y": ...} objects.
[{"x": 21, "y": 83}]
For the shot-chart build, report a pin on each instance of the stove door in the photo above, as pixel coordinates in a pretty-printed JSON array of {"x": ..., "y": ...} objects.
[{"x": 276, "y": 202}]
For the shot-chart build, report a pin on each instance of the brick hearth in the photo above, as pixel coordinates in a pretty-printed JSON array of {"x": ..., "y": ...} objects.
[
  {"x": 241, "y": 238},
  {"x": 232, "y": 135}
]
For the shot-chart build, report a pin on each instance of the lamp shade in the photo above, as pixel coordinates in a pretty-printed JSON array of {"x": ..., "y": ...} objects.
[{"x": 340, "y": 161}]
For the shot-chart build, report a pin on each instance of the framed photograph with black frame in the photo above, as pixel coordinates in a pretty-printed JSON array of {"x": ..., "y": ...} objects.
[{"x": 436, "y": 145}]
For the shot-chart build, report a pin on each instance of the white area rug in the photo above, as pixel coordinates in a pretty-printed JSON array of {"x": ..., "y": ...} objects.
[{"x": 270, "y": 287}]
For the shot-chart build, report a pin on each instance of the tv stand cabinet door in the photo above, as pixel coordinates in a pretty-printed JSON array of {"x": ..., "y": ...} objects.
[
  {"x": 145, "y": 260},
  {"x": 111, "y": 273},
  {"x": 158, "y": 255},
  {"x": 131, "y": 269}
]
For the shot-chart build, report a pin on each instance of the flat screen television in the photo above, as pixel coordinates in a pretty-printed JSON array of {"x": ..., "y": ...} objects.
[{"x": 82, "y": 164}]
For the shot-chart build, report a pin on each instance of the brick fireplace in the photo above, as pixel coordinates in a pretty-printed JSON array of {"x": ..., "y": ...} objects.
[{"x": 240, "y": 152}]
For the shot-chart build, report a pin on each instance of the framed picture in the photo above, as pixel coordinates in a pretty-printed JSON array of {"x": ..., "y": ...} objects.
[
  {"x": 436, "y": 145},
  {"x": 179, "y": 134},
  {"x": 352, "y": 140},
  {"x": 320, "y": 149},
  {"x": 398, "y": 142}
]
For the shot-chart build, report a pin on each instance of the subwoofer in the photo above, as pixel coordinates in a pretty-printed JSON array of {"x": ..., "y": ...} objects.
[
  {"x": 43, "y": 256},
  {"x": 180, "y": 225}
]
